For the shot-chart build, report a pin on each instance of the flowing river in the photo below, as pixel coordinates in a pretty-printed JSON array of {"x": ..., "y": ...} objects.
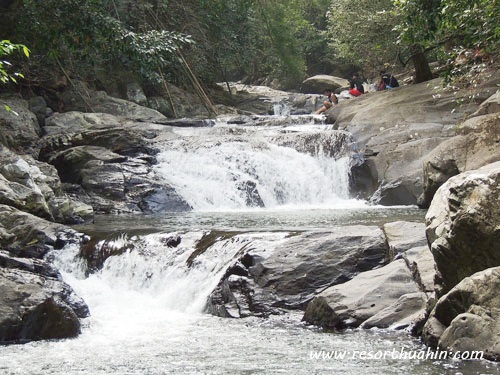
[{"x": 147, "y": 306}]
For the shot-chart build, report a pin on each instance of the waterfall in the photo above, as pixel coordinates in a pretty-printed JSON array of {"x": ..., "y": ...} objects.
[
  {"x": 234, "y": 168},
  {"x": 152, "y": 275}
]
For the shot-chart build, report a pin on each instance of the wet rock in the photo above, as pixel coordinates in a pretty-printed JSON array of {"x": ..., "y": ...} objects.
[
  {"x": 163, "y": 199},
  {"x": 467, "y": 318},
  {"x": 288, "y": 276},
  {"x": 34, "y": 307},
  {"x": 386, "y": 297},
  {"x": 462, "y": 225},
  {"x": 96, "y": 252},
  {"x": 26, "y": 235},
  {"x": 34, "y": 187}
]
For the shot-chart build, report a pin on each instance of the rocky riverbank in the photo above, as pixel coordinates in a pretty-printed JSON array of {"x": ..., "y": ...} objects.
[{"x": 415, "y": 144}]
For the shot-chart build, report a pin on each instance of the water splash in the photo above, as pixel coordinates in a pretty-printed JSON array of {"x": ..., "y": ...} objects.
[{"x": 237, "y": 168}]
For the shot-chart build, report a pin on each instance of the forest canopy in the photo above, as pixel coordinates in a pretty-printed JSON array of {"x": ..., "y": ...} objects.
[{"x": 272, "y": 42}]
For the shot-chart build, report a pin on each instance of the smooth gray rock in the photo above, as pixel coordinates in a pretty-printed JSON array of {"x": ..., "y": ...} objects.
[
  {"x": 289, "y": 275},
  {"x": 462, "y": 225},
  {"x": 383, "y": 297},
  {"x": 404, "y": 235},
  {"x": 467, "y": 318}
]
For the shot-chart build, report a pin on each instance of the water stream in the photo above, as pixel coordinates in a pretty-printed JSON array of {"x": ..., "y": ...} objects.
[{"x": 147, "y": 304}]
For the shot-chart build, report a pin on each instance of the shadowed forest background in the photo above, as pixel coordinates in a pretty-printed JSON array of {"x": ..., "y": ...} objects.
[{"x": 273, "y": 42}]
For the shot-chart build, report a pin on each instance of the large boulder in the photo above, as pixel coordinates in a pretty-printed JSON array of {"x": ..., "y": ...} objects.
[
  {"x": 396, "y": 129},
  {"x": 467, "y": 318},
  {"x": 463, "y": 225},
  {"x": 316, "y": 84},
  {"x": 475, "y": 146},
  {"x": 34, "y": 187},
  {"x": 37, "y": 307},
  {"x": 386, "y": 297},
  {"x": 82, "y": 99},
  {"x": 19, "y": 128},
  {"x": 26, "y": 235},
  {"x": 265, "y": 280}
]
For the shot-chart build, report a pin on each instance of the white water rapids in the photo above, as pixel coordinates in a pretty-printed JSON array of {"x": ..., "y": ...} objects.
[
  {"x": 147, "y": 304},
  {"x": 214, "y": 169}
]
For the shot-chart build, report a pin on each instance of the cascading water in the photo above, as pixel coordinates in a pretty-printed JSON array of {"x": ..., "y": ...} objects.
[
  {"x": 147, "y": 301},
  {"x": 241, "y": 167}
]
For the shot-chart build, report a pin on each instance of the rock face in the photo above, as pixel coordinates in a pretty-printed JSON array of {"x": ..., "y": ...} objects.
[
  {"x": 35, "y": 303},
  {"x": 35, "y": 307},
  {"x": 106, "y": 162},
  {"x": 34, "y": 187},
  {"x": 398, "y": 130},
  {"x": 467, "y": 318},
  {"x": 463, "y": 225},
  {"x": 475, "y": 146},
  {"x": 370, "y": 300},
  {"x": 19, "y": 127},
  {"x": 394, "y": 296},
  {"x": 262, "y": 282}
]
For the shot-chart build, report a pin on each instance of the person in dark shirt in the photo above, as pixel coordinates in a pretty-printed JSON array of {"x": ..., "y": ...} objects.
[
  {"x": 387, "y": 81},
  {"x": 356, "y": 85},
  {"x": 331, "y": 99}
]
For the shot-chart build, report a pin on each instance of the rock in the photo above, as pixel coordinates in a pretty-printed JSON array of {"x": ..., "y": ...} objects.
[
  {"x": 490, "y": 105},
  {"x": 462, "y": 225},
  {"x": 80, "y": 98},
  {"x": 467, "y": 318},
  {"x": 34, "y": 187},
  {"x": 383, "y": 297},
  {"x": 405, "y": 312},
  {"x": 291, "y": 273},
  {"x": 318, "y": 83},
  {"x": 404, "y": 235},
  {"x": 163, "y": 199},
  {"x": 103, "y": 179},
  {"x": 136, "y": 94},
  {"x": 475, "y": 146},
  {"x": 33, "y": 307},
  {"x": 26, "y": 235},
  {"x": 32, "y": 265},
  {"x": 19, "y": 129},
  {"x": 72, "y": 161},
  {"x": 397, "y": 129},
  {"x": 421, "y": 264},
  {"x": 38, "y": 106}
]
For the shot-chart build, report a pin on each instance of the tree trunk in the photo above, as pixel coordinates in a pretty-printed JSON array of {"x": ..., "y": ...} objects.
[{"x": 422, "y": 69}]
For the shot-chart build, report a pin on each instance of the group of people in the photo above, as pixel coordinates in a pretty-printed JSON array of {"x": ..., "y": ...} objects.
[{"x": 356, "y": 88}]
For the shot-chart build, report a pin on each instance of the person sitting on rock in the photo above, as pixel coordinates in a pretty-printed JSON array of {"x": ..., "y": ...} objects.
[
  {"x": 356, "y": 85},
  {"x": 387, "y": 81},
  {"x": 331, "y": 99}
]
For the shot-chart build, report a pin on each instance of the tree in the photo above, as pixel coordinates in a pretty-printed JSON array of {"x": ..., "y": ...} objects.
[
  {"x": 419, "y": 22},
  {"x": 361, "y": 33}
]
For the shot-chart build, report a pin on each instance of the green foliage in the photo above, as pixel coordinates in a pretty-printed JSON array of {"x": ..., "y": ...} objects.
[
  {"x": 419, "y": 20},
  {"x": 7, "y": 48},
  {"x": 361, "y": 32},
  {"x": 87, "y": 35},
  {"x": 471, "y": 22}
]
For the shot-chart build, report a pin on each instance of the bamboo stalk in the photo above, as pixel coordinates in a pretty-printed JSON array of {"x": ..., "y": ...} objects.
[{"x": 168, "y": 93}]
